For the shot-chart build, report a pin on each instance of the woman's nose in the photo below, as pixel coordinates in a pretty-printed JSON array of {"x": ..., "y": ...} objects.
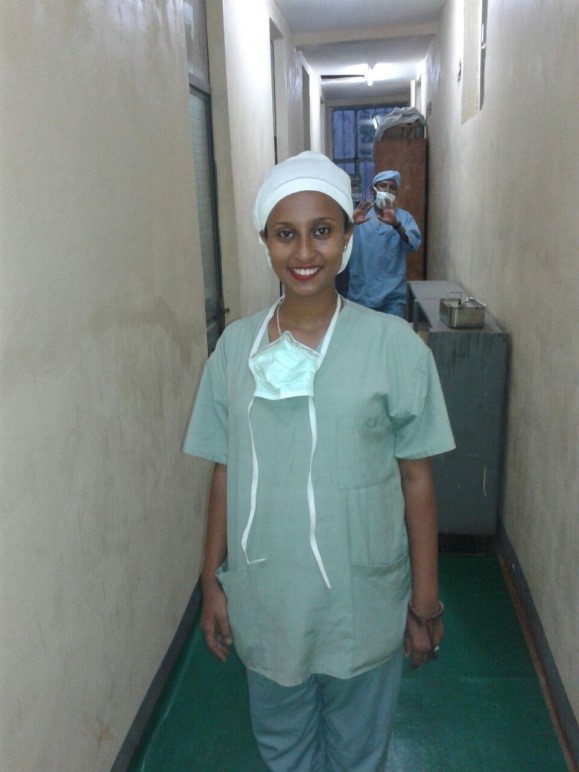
[{"x": 305, "y": 249}]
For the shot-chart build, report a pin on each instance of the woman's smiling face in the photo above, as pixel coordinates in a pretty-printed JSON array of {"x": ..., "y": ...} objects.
[{"x": 306, "y": 235}]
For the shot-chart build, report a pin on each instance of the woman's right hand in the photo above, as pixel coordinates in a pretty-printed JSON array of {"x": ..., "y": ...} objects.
[{"x": 215, "y": 620}]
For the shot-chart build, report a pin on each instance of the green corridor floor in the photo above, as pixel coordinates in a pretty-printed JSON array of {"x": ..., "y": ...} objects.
[{"x": 478, "y": 707}]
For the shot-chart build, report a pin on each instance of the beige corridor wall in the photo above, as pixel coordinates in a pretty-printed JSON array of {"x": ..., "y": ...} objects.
[
  {"x": 242, "y": 105},
  {"x": 239, "y": 58},
  {"x": 102, "y": 335},
  {"x": 289, "y": 92},
  {"x": 503, "y": 222}
]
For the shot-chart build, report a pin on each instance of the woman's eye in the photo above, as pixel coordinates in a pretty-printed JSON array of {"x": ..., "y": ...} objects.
[
  {"x": 322, "y": 230},
  {"x": 284, "y": 234}
]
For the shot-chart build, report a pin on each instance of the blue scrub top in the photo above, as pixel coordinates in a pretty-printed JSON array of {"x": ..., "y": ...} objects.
[{"x": 378, "y": 261}]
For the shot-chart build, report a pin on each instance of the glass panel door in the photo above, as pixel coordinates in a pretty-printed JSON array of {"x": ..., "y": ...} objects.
[
  {"x": 199, "y": 107},
  {"x": 353, "y": 132}
]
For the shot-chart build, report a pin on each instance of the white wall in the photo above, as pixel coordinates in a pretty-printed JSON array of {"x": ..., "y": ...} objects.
[
  {"x": 103, "y": 337},
  {"x": 103, "y": 340},
  {"x": 239, "y": 58},
  {"x": 289, "y": 65},
  {"x": 503, "y": 222},
  {"x": 317, "y": 112},
  {"x": 242, "y": 98}
]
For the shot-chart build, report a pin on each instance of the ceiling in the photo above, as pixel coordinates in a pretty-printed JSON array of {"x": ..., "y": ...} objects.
[{"x": 344, "y": 37}]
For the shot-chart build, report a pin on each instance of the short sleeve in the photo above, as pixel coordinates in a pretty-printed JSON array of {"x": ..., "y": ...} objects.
[
  {"x": 207, "y": 434},
  {"x": 425, "y": 428}
]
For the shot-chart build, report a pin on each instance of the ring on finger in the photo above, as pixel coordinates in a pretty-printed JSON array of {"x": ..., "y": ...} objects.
[{"x": 433, "y": 654}]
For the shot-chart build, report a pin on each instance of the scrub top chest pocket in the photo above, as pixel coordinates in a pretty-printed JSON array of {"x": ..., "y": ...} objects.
[{"x": 365, "y": 449}]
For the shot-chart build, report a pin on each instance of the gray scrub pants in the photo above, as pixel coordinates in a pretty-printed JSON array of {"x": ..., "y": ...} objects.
[{"x": 326, "y": 724}]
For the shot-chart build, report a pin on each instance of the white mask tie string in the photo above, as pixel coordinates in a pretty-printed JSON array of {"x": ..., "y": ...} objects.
[{"x": 314, "y": 433}]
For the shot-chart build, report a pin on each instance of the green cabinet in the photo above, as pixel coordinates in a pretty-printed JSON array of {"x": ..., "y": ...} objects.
[{"x": 472, "y": 365}]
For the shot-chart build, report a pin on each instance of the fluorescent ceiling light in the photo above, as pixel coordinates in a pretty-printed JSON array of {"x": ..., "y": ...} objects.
[{"x": 384, "y": 71}]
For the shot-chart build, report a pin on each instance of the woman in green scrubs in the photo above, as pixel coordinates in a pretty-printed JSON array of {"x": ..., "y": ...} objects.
[{"x": 320, "y": 562}]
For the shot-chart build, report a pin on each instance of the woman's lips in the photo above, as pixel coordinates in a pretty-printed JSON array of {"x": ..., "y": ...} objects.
[{"x": 304, "y": 274}]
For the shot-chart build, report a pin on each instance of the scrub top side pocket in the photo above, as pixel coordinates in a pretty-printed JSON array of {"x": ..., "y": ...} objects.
[
  {"x": 240, "y": 589},
  {"x": 380, "y": 597}
]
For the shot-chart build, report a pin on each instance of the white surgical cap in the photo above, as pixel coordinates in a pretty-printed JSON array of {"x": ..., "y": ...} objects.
[
  {"x": 387, "y": 175},
  {"x": 306, "y": 171}
]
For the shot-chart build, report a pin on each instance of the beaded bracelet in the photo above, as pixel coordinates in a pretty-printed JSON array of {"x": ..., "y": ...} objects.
[{"x": 423, "y": 620}]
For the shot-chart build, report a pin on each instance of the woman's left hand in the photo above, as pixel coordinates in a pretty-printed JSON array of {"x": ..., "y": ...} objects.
[{"x": 421, "y": 641}]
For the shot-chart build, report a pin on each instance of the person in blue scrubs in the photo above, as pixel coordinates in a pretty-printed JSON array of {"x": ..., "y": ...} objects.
[
  {"x": 320, "y": 561},
  {"x": 383, "y": 237}
]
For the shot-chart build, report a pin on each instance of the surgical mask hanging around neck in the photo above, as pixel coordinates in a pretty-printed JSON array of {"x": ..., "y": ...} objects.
[
  {"x": 286, "y": 368},
  {"x": 382, "y": 196}
]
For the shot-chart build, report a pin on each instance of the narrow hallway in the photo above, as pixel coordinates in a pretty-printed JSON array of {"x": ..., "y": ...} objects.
[
  {"x": 134, "y": 137},
  {"x": 479, "y": 708}
]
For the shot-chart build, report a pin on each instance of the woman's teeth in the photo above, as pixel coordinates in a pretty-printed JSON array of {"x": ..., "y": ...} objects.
[{"x": 305, "y": 271}]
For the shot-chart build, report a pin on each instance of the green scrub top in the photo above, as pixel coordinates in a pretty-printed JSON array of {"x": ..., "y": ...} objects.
[{"x": 377, "y": 398}]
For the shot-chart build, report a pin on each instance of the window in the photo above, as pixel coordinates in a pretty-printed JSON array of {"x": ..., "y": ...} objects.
[
  {"x": 473, "y": 57},
  {"x": 353, "y": 130}
]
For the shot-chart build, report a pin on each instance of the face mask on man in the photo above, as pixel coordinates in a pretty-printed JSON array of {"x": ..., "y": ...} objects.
[{"x": 382, "y": 196}]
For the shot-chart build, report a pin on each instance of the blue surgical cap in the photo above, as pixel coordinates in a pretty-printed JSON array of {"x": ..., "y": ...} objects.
[{"x": 388, "y": 175}]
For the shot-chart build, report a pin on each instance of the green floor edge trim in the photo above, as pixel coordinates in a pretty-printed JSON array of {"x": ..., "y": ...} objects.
[
  {"x": 562, "y": 714},
  {"x": 146, "y": 711}
]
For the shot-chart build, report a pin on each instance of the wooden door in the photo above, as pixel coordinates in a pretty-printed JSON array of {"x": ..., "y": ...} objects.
[{"x": 408, "y": 156}]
